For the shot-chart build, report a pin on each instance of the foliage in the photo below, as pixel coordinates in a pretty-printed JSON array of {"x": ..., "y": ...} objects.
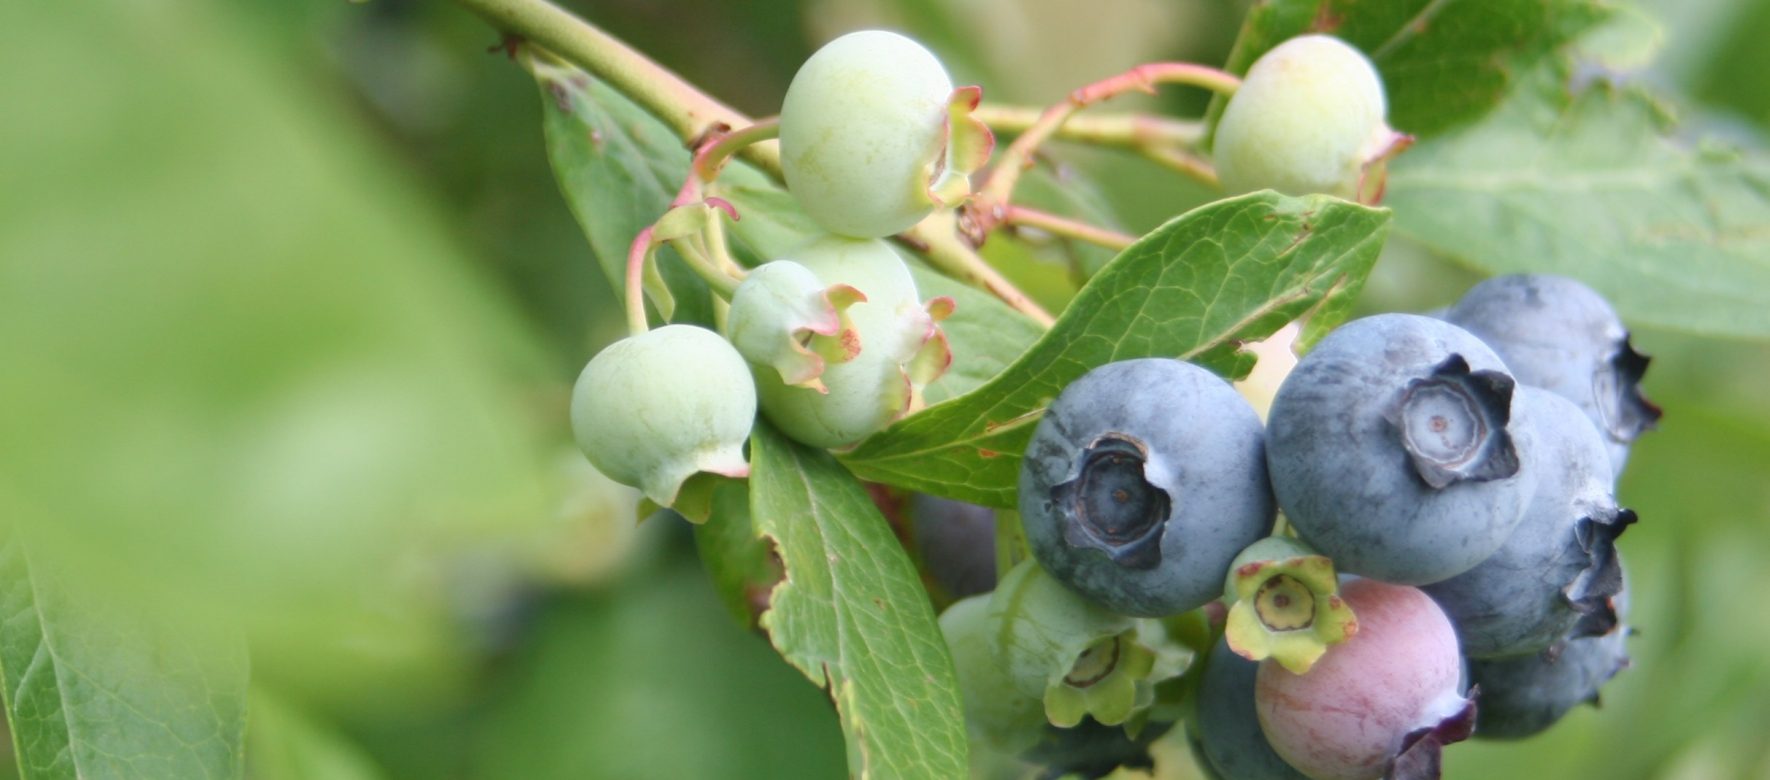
[{"x": 279, "y": 490}]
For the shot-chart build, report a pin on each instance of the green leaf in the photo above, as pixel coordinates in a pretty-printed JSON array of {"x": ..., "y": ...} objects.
[
  {"x": 618, "y": 168},
  {"x": 770, "y": 223},
  {"x": 290, "y": 744},
  {"x": 1195, "y": 288},
  {"x": 96, "y": 691},
  {"x": 270, "y": 381},
  {"x": 1594, "y": 182},
  {"x": 742, "y": 567},
  {"x": 853, "y": 617},
  {"x": 1444, "y": 62}
]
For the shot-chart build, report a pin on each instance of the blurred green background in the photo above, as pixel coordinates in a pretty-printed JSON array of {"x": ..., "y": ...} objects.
[{"x": 290, "y": 308}]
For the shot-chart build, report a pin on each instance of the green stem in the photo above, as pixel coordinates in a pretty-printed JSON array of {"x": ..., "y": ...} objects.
[
  {"x": 1185, "y": 163},
  {"x": 687, "y": 110},
  {"x": 713, "y": 157},
  {"x": 1067, "y": 228},
  {"x": 719, "y": 251},
  {"x": 692, "y": 113},
  {"x": 637, "y": 255},
  {"x": 1124, "y": 130},
  {"x": 938, "y": 237},
  {"x": 703, "y": 266},
  {"x": 999, "y": 190},
  {"x": 721, "y": 313}
]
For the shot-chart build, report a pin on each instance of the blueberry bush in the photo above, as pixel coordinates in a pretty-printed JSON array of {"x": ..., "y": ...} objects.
[{"x": 1263, "y": 392}]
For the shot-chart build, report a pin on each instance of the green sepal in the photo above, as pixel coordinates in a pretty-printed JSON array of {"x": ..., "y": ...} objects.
[
  {"x": 784, "y": 317},
  {"x": 1049, "y": 629},
  {"x": 935, "y": 355},
  {"x": 694, "y": 501},
  {"x": 969, "y": 144},
  {"x": 1285, "y": 604}
]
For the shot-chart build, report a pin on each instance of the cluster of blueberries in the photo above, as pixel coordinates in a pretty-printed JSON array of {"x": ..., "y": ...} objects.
[
  {"x": 1448, "y": 563},
  {"x": 1449, "y": 566},
  {"x": 831, "y": 342}
]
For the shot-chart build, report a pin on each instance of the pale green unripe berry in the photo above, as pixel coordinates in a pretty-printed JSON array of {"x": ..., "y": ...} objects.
[
  {"x": 1034, "y": 653},
  {"x": 653, "y": 410},
  {"x": 1307, "y": 118},
  {"x": 784, "y": 316},
  {"x": 863, "y": 130},
  {"x": 901, "y": 349}
]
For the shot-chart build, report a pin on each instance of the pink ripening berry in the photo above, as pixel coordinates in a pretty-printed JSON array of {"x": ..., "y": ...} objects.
[{"x": 1381, "y": 704}]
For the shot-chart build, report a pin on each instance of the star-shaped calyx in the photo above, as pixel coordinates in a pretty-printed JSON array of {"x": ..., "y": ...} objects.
[
  {"x": 784, "y": 317},
  {"x": 1452, "y": 424},
  {"x": 1285, "y": 604},
  {"x": 1078, "y": 658},
  {"x": 968, "y": 144}
]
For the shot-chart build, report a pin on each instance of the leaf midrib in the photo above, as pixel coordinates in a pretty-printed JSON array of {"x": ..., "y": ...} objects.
[{"x": 44, "y": 644}]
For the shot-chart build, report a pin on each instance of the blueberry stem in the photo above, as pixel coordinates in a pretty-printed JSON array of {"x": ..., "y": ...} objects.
[
  {"x": 1185, "y": 163},
  {"x": 692, "y": 114},
  {"x": 989, "y": 205},
  {"x": 1125, "y": 130},
  {"x": 1170, "y": 143},
  {"x": 711, "y": 157},
  {"x": 720, "y": 252},
  {"x": 686, "y": 109},
  {"x": 938, "y": 237},
  {"x": 638, "y": 254},
  {"x": 694, "y": 250},
  {"x": 1067, "y": 228}
]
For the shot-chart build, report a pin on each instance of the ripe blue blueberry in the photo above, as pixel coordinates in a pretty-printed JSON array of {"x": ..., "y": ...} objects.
[
  {"x": 957, "y": 542},
  {"x": 1226, "y": 735},
  {"x": 1558, "y": 570},
  {"x": 1523, "y": 695},
  {"x": 1142, "y": 482},
  {"x": 1557, "y": 334},
  {"x": 1393, "y": 450}
]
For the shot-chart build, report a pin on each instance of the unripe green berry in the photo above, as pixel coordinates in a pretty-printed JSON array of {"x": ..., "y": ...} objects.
[
  {"x": 1034, "y": 653},
  {"x": 1307, "y": 119},
  {"x": 654, "y": 409},
  {"x": 901, "y": 349},
  {"x": 863, "y": 130},
  {"x": 783, "y": 316}
]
